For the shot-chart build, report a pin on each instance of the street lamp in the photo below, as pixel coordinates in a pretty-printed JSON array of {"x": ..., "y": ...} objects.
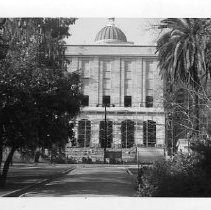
[
  {"x": 105, "y": 127},
  {"x": 105, "y": 136}
]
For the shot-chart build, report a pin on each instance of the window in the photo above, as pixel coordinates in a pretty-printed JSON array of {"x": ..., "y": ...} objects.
[
  {"x": 129, "y": 66},
  {"x": 86, "y": 68},
  {"x": 149, "y": 101},
  {"x": 106, "y": 100},
  {"x": 84, "y": 133},
  {"x": 85, "y": 100},
  {"x": 128, "y": 84},
  {"x": 128, "y": 75},
  {"x": 107, "y": 84},
  {"x": 150, "y": 81},
  {"x": 128, "y": 101},
  {"x": 107, "y": 67},
  {"x": 106, "y": 136},
  {"x": 127, "y": 133}
]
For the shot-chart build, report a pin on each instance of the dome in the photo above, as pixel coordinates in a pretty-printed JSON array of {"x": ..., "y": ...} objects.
[{"x": 110, "y": 33}]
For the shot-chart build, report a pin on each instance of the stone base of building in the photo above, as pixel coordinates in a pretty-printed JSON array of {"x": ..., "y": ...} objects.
[{"x": 115, "y": 155}]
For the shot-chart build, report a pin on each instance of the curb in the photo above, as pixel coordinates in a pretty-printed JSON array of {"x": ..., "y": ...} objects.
[
  {"x": 134, "y": 181},
  {"x": 133, "y": 177},
  {"x": 20, "y": 192}
]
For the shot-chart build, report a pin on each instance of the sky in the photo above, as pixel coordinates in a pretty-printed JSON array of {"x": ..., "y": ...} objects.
[{"x": 137, "y": 30}]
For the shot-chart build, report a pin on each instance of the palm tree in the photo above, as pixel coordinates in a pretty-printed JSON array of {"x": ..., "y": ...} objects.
[{"x": 183, "y": 54}]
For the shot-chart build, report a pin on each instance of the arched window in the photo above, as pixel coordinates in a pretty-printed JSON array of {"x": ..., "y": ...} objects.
[
  {"x": 106, "y": 136},
  {"x": 84, "y": 133},
  {"x": 127, "y": 131},
  {"x": 149, "y": 130}
]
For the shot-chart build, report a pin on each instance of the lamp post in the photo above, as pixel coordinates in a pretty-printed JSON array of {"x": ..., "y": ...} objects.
[
  {"x": 105, "y": 127},
  {"x": 105, "y": 130}
]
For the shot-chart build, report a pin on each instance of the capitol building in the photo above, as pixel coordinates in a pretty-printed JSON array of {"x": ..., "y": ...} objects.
[{"x": 122, "y": 89}]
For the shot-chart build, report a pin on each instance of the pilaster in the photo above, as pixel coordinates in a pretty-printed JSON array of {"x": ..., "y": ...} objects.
[
  {"x": 94, "y": 134},
  {"x": 138, "y": 133},
  {"x": 116, "y": 134}
]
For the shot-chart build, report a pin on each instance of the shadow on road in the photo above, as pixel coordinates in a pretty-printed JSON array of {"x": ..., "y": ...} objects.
[{"x": 89, "y": 182}]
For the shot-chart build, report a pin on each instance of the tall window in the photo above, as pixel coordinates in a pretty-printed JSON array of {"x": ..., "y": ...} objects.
[
  {"x": 106, "y": 136},
  {"x": 149, "y": 130},
  {"x": 150, "y": 80},
  {"x": 128, "y": 101},
  {"x": 149, "y": 101},
  {"x": 86, "y": 68},
  {"x": 106, "y": 100},
  {"x": 84, "y": 133},
  {"x": 128, "y": 76},
  {"x": 85, "y": 100},
  {"x": 107, "y": 68},
  {"x": 127, "y": 131}
]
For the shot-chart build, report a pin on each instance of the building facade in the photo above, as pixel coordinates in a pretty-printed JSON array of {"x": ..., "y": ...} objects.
[{"x": 125, "y": 77}]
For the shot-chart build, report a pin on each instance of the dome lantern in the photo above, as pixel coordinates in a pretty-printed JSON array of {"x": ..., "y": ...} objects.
[{"x": 111, "y": 22}]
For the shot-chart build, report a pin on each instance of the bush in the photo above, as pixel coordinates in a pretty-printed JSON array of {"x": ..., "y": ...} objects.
[
  {"x": 87, "y": 160},
  {"x": 180, "y": 178},
  {"x": 59, "y": 159},
  {"x": 71, "y": 160}
]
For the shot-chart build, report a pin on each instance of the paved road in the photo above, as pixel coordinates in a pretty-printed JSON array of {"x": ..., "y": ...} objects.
[
  {"x": 89, "y": 181},
  {"x": 20, "y": 177}
]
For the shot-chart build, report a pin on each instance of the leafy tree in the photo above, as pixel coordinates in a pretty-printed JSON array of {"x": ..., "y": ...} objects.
[
  {"x": 184, "y": 55},
  {"x": 38, "y": 95}
]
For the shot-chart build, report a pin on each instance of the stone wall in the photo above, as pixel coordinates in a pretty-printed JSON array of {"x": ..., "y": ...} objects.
[
  {"x": 117, "y": 119},
  {"x": 130, "y": 155},
  {"x": 145, "y": 81},
  {"x": 144, "y": 76}
]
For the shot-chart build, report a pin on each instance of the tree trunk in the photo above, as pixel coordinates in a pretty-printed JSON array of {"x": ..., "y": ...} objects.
[
  {"x": 196, "y": 114},
  {"x": 3, "y": 176},
  {"x": 1, "y": 152},
  {"x": 196, "y": 85},
  {"x": 1, "y": 142}
]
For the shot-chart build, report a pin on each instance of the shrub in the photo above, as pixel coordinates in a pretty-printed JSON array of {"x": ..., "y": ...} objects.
[
  {"x": 71, "y": 160},
  {"x": 180, "y": 178}
]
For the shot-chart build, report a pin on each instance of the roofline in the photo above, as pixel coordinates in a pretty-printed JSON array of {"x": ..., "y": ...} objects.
[{"x": 110, "y": 45}]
